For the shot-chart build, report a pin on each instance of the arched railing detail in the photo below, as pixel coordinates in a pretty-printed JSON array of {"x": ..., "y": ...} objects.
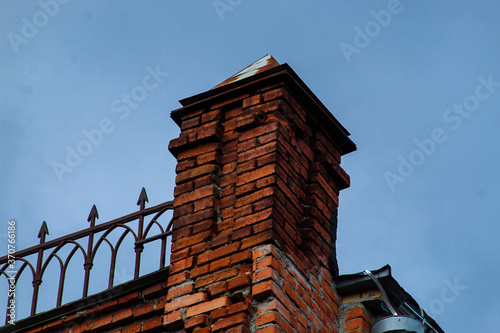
[
  {"x": 16, "y": 278},
  {"x": 85, "y": 238}
]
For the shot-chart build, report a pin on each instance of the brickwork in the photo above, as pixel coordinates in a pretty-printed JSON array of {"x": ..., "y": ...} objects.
[
  {"x": 286, "y": 298},
  {"x": 357, "y": 320},
  {"x": 255, "y": 208},
  {"x": 138, "y": 311}
]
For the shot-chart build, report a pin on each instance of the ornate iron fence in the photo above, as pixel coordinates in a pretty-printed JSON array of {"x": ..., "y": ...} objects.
[{"x": 53, "y": 248}]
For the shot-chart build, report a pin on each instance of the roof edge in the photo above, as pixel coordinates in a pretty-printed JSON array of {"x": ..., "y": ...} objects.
[
  {"x": 359, "y": 282},
  {"x": 37, "y": 320}
]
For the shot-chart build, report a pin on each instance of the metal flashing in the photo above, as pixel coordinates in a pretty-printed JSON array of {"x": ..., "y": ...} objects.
[{"x": 261, "y": 65}]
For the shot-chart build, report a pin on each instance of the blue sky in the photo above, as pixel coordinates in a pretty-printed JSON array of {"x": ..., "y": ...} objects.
[{"x": 416, "y": 83}]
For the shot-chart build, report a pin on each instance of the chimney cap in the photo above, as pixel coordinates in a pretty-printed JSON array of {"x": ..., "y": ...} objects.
[
  {"x": 259, "y": 66},
  {"x": 263, "y": 72}
]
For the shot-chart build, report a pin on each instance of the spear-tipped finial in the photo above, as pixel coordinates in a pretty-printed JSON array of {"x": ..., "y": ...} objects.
[
  {"x": 93, "y": 215},
  {"x": 143, "y": 198},
  {"x": 44, "y": 230}
]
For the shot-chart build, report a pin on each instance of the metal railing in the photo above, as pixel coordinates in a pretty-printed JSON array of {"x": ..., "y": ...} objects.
[{"x": 52, "y": 249}]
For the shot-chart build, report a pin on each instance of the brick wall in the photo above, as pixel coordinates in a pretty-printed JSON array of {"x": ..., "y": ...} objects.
[
  {"x": 357, "y": 320},
  {"x": 255, "y": 208},
  {"x": 125, "y": 308}
]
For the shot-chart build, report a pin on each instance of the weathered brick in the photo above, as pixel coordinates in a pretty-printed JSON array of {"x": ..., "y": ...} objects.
[
  {"x": 241, "y": 257},
  {"x": 190, "y": 241},
  {"x": 209, "y": 202},
  {"x": 228, "y": 201},
  {"x": 262, "y": 290},
  {"x": 240, "y": 281},
  {"x": 248, "y": 121},
  {"x": 200, "y": 320},
  {"x": 223, "y": 238},
  {"x": 241, "y": 233},
  {"x": 210, "y": 116},
  {"x": 108, "y": 306},
  {"x": 131, "y": 297},
  {"x": 195, "y": 172},
  {"x": 152, "y": 324},
  {"x": 176, "y": 144},
  {"x": 129, "y": 329},
  {"x": 217, "y": 288},
  {"x": 269, "y": 329},
  {"x": 256, "y": 174},
  {"x": 265, "y": 274},
  {"x": 220, "y": 264},
  {"x": 197, "y": 150},
  {"x": 253, "y": 197},
  {"x": 235, "y": 107},
  {"x": 357, "y": 323},
  {"x": 194, "y": 195},
  {"x": 189, "y": 219},
  {"x": 314, "y": 319},
  {"x": 357, "y": 312},
  {"x": 201, "y": 270},
  {"x": 257, "y": 152},
  {"x": 260, "y": 238},
  {"x": 243, "y": 328},
  {"x": 252, "y": 100},
  {"x": 182, "y": 211},
  {"x": 229, "y": 167},
  {"x": 144, "y": 309},
  {"x": 123, "y": 316},
  {"x": 217, "y": 253},
  {"x": 218, "y": 276},
  {"x": 243, "y": 168},
  {"x": 202, "y": 226},
  {"x": 102, "y": 322},
  {"x": 208, "y": 130},
  {"x": 179, "y": 255},
  {"x": 240, "y": 307},
  {"x": 273, "y": 317},
  {"x": 174, "y": 279},
  {"x": 273, "y": 94},
  {"x": 208, "y": 306},
  {"x": 231, "y": 321},
  {"x": 181, "y": 290},
  {"x": 186, "y": 301},
  {"x": 192, "y": 122},
  {"x": 253, "y": 218},
  {"x": 259, "y": 131},
  {"x": 153, "y": 291}
]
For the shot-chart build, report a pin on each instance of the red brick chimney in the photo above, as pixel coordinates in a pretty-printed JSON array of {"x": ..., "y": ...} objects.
[{"x": 255, "y": 208}]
